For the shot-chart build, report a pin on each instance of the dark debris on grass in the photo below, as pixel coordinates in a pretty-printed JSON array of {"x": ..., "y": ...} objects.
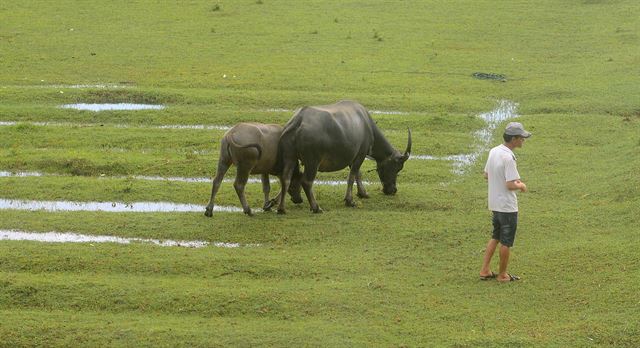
[{"x": 489, "y": 76}]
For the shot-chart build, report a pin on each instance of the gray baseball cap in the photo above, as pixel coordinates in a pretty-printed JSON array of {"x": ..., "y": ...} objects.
[{"x": 516, "y": 128}]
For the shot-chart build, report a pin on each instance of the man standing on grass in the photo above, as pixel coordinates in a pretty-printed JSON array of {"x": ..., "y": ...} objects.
[{"x": 504, "y": 180}]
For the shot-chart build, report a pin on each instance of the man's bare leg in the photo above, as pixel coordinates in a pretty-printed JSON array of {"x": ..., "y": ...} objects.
[
  {"x": 488, "y": 254},
  {"x": 503, "y": 276}
]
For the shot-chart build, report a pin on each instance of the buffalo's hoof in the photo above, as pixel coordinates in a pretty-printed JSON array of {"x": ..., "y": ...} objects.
[
  {"x": 249, "y": 212},
  {"x": 282, "y": 211},
  {"x": 317, "y": 210},
  {"x": 208, "y": 213},
  {"x": 348, "y": 203},
  {"x": 268, "y": 205}
]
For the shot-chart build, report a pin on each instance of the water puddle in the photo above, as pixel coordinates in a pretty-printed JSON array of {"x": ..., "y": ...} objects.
[
  {"x": 194, "y": 126},
  {"x": 252, "y": 180},
  {"x": 482, "y": 138},
  {"x": 99, "y": 85},
  {"x": 69, "y": 124},
  {"x": 110, "y": 107},
  {"x": 4, "y": 174},
  {"x": 68, "y": 237},
  {"x": 75, "y": 86},
  {"x": 373, "y": 112},
  {"x": 506, "y": 110},
  {"x": 459, "y": 162},
  {"x": 277, "y": 110},
  {"x": 178, "y": 179},
  {"x": 383, "y": 112},
  {"x": 111, "y": 207}
]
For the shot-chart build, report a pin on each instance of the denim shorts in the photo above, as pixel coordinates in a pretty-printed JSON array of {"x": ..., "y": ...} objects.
[{"x": 504, "y": 227}]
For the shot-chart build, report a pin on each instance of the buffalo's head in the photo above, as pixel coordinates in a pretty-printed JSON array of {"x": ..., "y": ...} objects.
[
  {"x": 295, "y": 187},
  {"x": 389, "y": 167}
]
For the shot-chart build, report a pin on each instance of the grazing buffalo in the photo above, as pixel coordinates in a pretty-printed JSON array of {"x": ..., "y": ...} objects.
[
  {"x": 331, "y": 137},
  {"x": 253, "y": 149}
]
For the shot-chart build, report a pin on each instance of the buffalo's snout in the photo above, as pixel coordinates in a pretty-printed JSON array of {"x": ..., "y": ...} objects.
[
  {"x": 389, "y": 190},
  {"x": 294, "y": 191},
  {"x": 297, "y": 199}
]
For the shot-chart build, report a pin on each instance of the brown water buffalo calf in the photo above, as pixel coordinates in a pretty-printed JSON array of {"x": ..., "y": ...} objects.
[
  {"x": 328, "y": 138},
  {"x": 253, "y": 149}
]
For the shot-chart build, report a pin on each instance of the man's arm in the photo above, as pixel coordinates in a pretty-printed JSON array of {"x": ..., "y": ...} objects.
[{"x": 516, "y": 185}]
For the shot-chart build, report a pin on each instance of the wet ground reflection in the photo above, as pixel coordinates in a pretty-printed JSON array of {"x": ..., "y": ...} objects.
[
  {"x": 125, "y": 126},
  {"x": 108, "y": 107},
  {"x": 482, "y": 138},
  {"x": 252, "y": 180},
  {"x": 112, "y": 207},
  {"x": 69, "y": 237}
]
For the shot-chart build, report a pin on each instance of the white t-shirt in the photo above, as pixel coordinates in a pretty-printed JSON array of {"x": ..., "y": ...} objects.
[{"x": 501, "y": 167}]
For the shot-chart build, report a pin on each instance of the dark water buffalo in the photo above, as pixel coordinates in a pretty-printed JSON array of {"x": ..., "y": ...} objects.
[
  {"x": 253, "y": 149},
  {"x": 331, "y": 137}
]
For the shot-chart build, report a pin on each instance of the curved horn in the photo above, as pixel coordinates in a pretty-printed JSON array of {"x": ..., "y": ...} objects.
[{"x": 408, "y": 150}]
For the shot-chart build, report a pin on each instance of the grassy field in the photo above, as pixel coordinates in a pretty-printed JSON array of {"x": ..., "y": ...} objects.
[{"x": 398, "y": 271}]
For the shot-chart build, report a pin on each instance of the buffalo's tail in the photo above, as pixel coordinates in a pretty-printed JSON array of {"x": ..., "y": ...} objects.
[
  {"x": 289, "y": 128},
  {"x": 293, "y": 123},
  {"x": 230, "y": 142}
]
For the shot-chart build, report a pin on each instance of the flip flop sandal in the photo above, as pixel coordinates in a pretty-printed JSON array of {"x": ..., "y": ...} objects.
[
  {"x": 490, "y": 276},
  {"x": 512, "y": 278}
]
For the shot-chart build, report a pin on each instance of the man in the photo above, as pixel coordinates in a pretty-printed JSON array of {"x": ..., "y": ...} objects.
[{"x": 504, "y": 180}]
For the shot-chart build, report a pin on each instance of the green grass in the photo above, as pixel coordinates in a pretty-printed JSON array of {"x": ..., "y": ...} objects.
[{"x": 397, "y": 271}]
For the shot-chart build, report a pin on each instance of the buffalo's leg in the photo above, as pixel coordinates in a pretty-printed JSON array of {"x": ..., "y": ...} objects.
[
  {"x": 348, "y": 197},
  {"x": 266, "y": 188},
  {"x": 285, "y": 181},
  {"x": 242, "y": 176},
  {"x": 354, "y": 173},
  {"x": 274, "y": 201},
  {"x": 362, "y": 192},
  {"x": 294, "y": 189},
  {"x": 223, "y": 166},
  {"x": 310, "y": 171}
]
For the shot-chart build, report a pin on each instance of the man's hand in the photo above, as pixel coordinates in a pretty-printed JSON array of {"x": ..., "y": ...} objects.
[
  {"x": 523, "y": 187},
  {"x": 516, "y": 185}
]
